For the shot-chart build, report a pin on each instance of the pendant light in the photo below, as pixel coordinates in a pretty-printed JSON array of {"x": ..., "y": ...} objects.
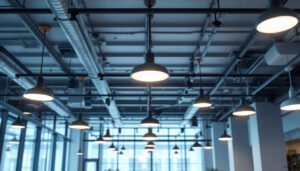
[
  {"x": 14, "y": 141},
  {"x": 293, "y": 102},
  {"x": 107, "y": 136},
  {"x": 123, "y": 149},
  {"x": 225, "y": 137},
  {"x": 18, "y": 123},
  {"x": 116, "y": 149},
  {"x": 276, "y": 19},
  {"x": 176, "y": 154},
  {"x": 175, "y": 148},
  {"x": 149, "y": 121},
  {"x": 100, "y": 140},
  {"x": 149, "y": 71},
  {"x": 80, "y": 124},
  {"x": 8, "y": 151},
  {"x": 149, "y": 149},
  {"x": 39, "y": 92},
  {"x": 191, "y": 150},
  {"x": 150, "y": 136},
  {"x": 80, "y": 153},
  {"x": 112, "y": 147},
  {"x": 196, "y": 145},
  {"x": 244, "y": 109},
  {"x": 121, "y": 153},
  {"x": 201, "y": 101},
  {"x": 208, "y": 146},
  {"x": 150, "y": 144}
]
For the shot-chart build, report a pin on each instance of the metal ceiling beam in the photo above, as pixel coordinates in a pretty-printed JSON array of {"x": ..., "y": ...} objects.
[
  {"x": 140, "y": 11},
  {"x": 38, "y": 35},
  {"x": 78, "y": 37}
]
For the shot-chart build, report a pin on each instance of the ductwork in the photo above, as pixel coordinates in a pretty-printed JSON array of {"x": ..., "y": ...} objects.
[
  {"x": 78, "y": 37},
  {"x": 9, "y": 68}
]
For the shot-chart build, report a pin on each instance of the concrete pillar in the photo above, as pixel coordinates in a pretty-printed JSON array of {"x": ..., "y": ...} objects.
[
  {"x": 207, "y": 154},
  {"x": 239, "y": 150},
  {"x": 220, "y": 150},
  {"x": 267, "y": 138},
  {"x": 74, "y": 160}
]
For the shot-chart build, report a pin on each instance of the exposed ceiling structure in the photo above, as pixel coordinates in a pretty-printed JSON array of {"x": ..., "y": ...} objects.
[{"x": 105, "y": 45}]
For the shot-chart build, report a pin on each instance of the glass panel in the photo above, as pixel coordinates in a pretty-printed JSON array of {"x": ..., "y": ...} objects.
[
  {"x": 29, "y": 147},
  {"x": 10, "y": 154},
  {"x": 59, "y": 153},
  {"x": 45, "y": 151},
  {"x": 91, "y": 165}
]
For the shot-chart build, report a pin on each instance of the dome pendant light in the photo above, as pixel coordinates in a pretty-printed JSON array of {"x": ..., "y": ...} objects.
[
  {"x": 225, "y": 137},
  {"x": 14, "y": 141},
  {"x": 112, "y": 147},
  {"x": 196, "y": 145},
  {"x": 79, "y": 153},
  {"x": 100, "y": 140},
  {"x": 18, "y": 123},
  {"x": 149, "y": 149},
  {"x": 293, "y": 102},
  {"x": 191, "y": 150},
  {"x": 39, "y": 92},
  {"x": 244, "y": 109},
  {"x": 149, "y": 71},
  {"x": 123, "y": 149},
  {"x": 149, "y": 121},
  {"x": 79, "y": 124},
  {"x": 276, "y": 19},
  {"x": 208, "y": 146},
  {"x": 107, "y": 136},
  {"x": 175, "y": 148},
  {"x": 201, "y": 101},
  {"x": 150, "y": 144},
  {"x": 150, "y": 136}
]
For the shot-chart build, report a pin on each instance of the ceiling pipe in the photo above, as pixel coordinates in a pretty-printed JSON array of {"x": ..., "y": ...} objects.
[
  {"x": 78, "y": 37},
  {"x": 11, "y": 69}
]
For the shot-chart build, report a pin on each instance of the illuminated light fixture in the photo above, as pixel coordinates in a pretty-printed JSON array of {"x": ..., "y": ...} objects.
[
  {"x": 176, "y": 154},
  {"x": 201, "y": 101},
  {"x": 107, "y": 136},
  {"x": 8, "y": 151},
  {"x": 150, "y": 144},
  {"x": 191, "y": 150},
  {"x": 116, "y": 149},
  {"x": 149, "y": 71},
  {"x": 225, "y": 137},
  {"x": 244, "y": 109},
  {"x": 112, "y": 147},
  {"x": 121, "y": 153},
  {"x": 26, "y": 113},
  {"x": 293, "y": 102},
  {"x": 276, "y": 19},
  {"x": 196, "y": 145},
  {"x": 149, "y": 149},
  {"x": 79, "y": 153},
  {"x": 14, "y": 141},
  {"x": 123, "y": 149},
  {"x": 208, "y": 146},
  {"x": 149, "y": 121},
  {"x": 79, "y": 124},
  {"x": 18, "y": 123},
  {"x": 100, "y": 140},
  {"x": 39, "y": 92},
  {"x": 150, "y": 136},
  {"x": 175, "y": 148}
]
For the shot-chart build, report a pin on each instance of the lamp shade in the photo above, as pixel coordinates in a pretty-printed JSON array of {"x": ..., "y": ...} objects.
[
  {"x": 100, "y": 140},
  {"x": 202, "y": 101},
  {"x": 208, "y": 146},
  {"x": 150, "y": 136},
  {"x": 18, "y": 123},
  {"x": 107, "y": 136},
  {"x": 276, "y": 20},
  {"x": 121, "y": 153},
  {"x": 14, "y": 141},
  {"x": 196, "y": 145},
  {"x": 39, "y": 92},
  {"x": 123, "y": 149},
  {"x": 79, "y": 124},
  {"x": 149, "y": 149},
  {"x": 112, "y": 147},
  {"x": 150, "y": 144},
  {"x": 244, "y": 109},
  {"x": 175, "y": 148},
  {"x": 79, "y": 153},
  {"x": 191, "y": 150},
  {"x": 225, "y": 137},
  {"x": 149, "y": 121},
  {"x": 292, "y": 103}
]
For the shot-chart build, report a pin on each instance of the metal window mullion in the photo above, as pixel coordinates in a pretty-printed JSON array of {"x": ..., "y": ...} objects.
[
  {"x": 2, "y": 131},
  {"x": 53, "y": 154},
  {"x": 21, "y": 148},
  {"x": 63, "y": 167},
  {"x": 37, "y": 148}
]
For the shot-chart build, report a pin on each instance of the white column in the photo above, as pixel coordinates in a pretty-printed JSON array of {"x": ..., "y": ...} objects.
[
  {"x": 74, "y": 162},
  {"x": 267, "y": 138},
  {"x": 220, "y": 150},
  {"x": 208, "y": 157},
  {"x": 239, "y": 150}
]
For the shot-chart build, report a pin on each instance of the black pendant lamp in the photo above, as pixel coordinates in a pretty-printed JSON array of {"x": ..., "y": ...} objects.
[
  {"x": 123, "y": 149},
  {"x": 197, "y": 145},
  {"x": 208, "y": 146},
  {"x": 18, "y": 123},
  {"x": 150, "y": 136},
  {"x": 80, "y": 124},
  {"x": 244, "y": 109},
  {"x": 14, "y": 141},
  {"x": 107, "y": 136},
  {"x": 225, "y": 137},
  {"x": 202, "y": 101},
  {"x": 112, "y": 147},
  {"x": 39, "y": 92},
  {"x": 191, "y": 150},
  {"x": 293, "y": 102},
  {"x": 149, "y": 121},
  {"x": 150, "y": 144},
  {"x": 100, "y": 139},
  {"x": 276, "y": 19},
  {"x": 149, "y": 71}
]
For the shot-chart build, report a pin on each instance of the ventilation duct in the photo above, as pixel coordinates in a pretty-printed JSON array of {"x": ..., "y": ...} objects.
[{"x": 281, "y": 53}]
